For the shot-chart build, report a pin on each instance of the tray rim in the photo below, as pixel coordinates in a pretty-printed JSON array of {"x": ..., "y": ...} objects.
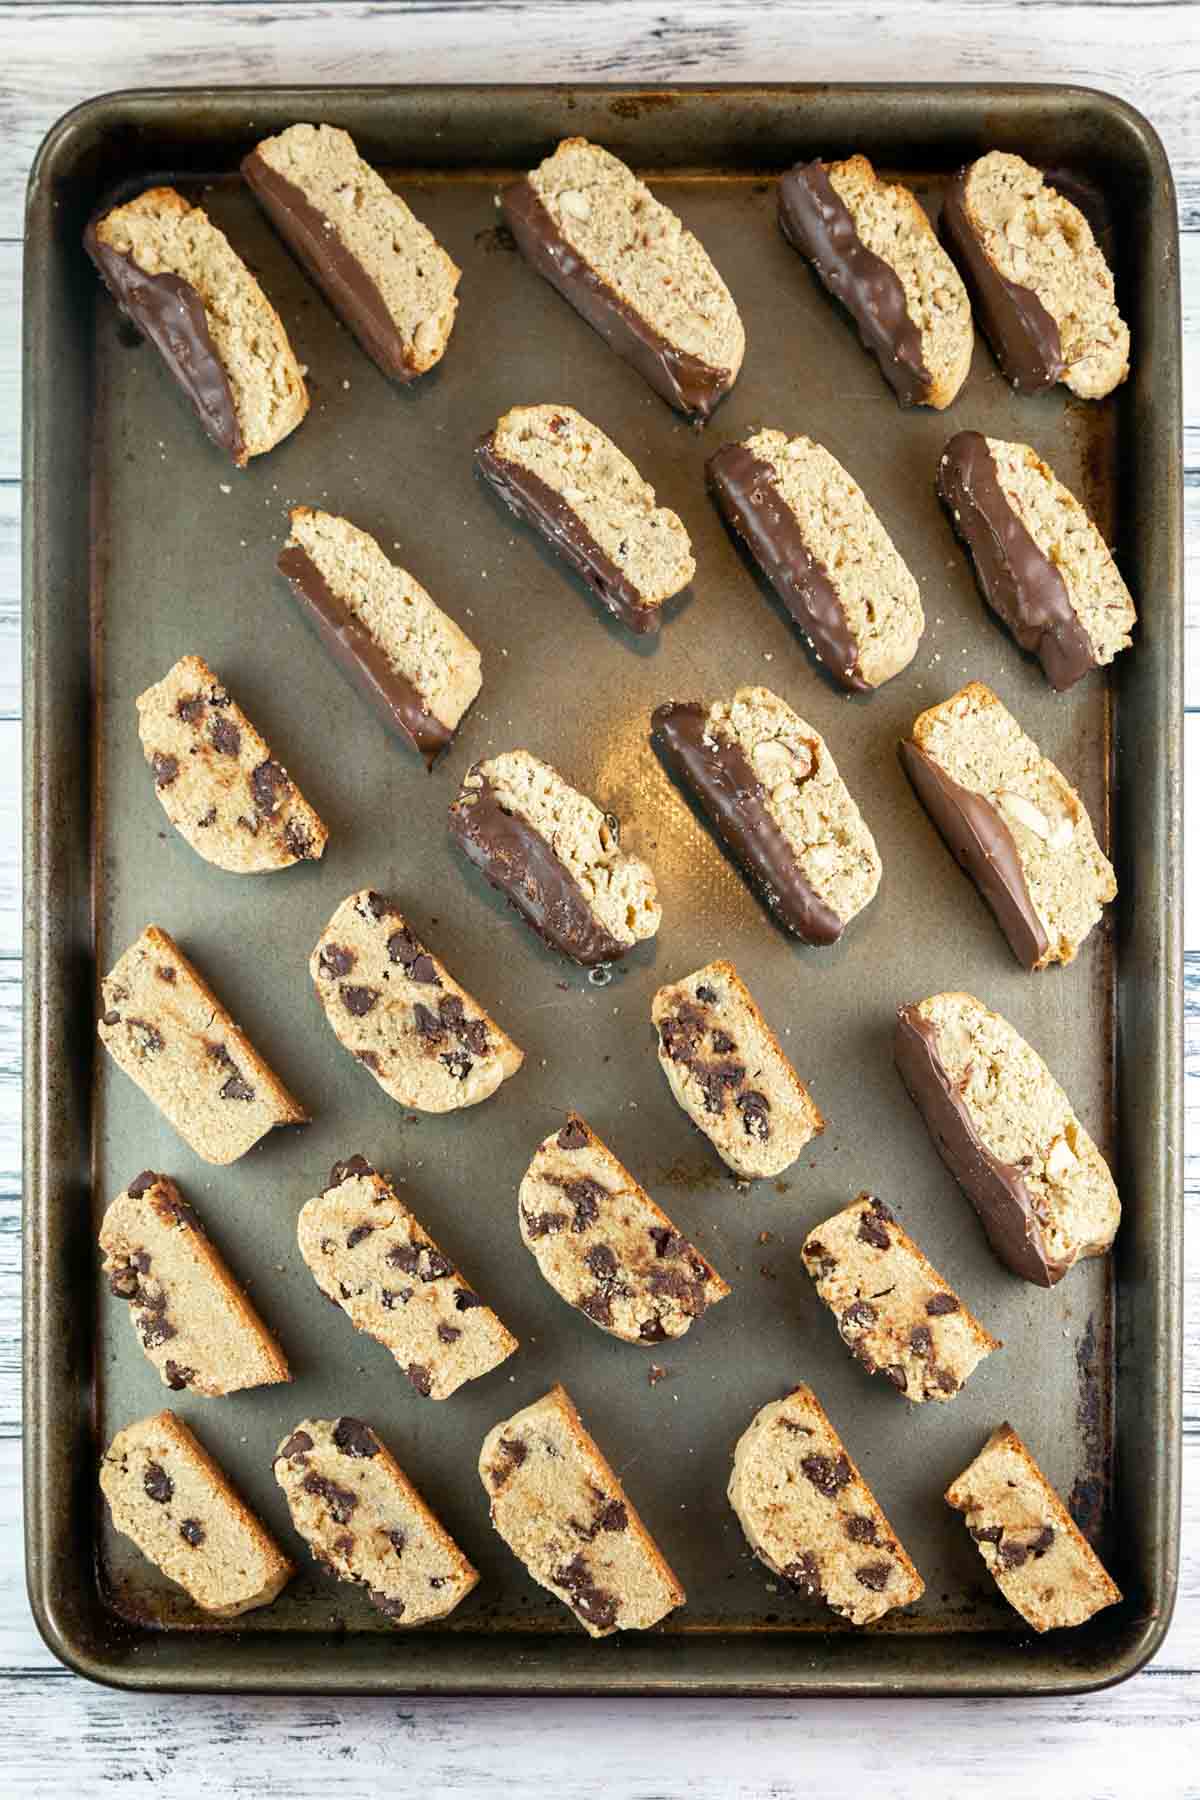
[{"x": 47, "y": 1108}]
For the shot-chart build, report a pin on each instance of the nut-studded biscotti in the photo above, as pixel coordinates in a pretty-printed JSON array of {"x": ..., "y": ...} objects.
[
  {"x": 1013, "y": 821},
  {"x": 1042, "y": 290},
  {"x": 630, "y": 268},
  {"x": 560, "y": 1508},
  {"x": 819, "y": 542},
  {"x": 168, "y": 1494},
  {"x": 191, "y": 1318},
  {"x": 555, "y": 857},
  {"x": 402, "y": 1015},
  {"x": 1035, "y": 1553},
  {"x": 1008, "y": 1135},
  {"x": 181, "y": 282},
  {"x": 216, "y": 778},
  {"x": 874, "y": 249},
  {"x": 896, "y": 1314},
  {"x": 368, "y": 1252},
  {"x": 365, "y": 1522},
  {"x": 769, "y": 787},
  {"x": 726, "y": 1069},
  {"x": 378, "y": 266},
  {"x": 809, "y": 1515},
  {"x": 601, "y": 1242},
  {"x": 1040, "y": 561},
  {"x": 559, "y": 473},
  {"x": 409, "y": 661},
  {"x": 163, "y": 1025}
]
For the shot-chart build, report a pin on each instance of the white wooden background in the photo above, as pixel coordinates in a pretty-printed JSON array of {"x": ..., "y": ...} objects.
[{"x": 59, "y": 1734}]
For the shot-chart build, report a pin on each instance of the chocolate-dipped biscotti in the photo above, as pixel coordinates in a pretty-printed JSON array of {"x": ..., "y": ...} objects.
[
  {"x": 875, "y": 250},
  {"x": 181, "y": 282},
  {"x": 602, "y": 1243},
  {"x": 1040, "y": 561},
  {"x": 815, "y": 536},
  {"x": 1034, "y": 1551},
  {"x": 628, "y": 266},
  {"x": 726, "y": 1069},
  {"x": 404, "y": 655},
  {"x": 559, "y": 473},
  {"x": 380, "y": 269},
  {"x": 560, "y": 1508},
  {"x": 768, "y": 785},
  {"x": 811, "y": 1518},
  {"x": 1041, "y": 288},
  {"x": 1013, "y": 821},
  {"x": 1009, "y": 1136},
  {"x": 895, "y": 1313},
  {"x": 556, "y": 858}
]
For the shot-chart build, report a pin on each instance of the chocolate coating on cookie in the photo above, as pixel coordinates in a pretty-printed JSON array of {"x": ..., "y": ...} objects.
[{"x": 1025, "y": 338}]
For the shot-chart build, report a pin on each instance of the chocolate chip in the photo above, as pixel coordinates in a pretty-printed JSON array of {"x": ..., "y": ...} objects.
[
  {"x": 437, "y": 1266},
  {"x": 112, "y": 1018},
  {"x": 437, "y": 1581},
  {"x": 545, "y": 1224},
  {"x": 207, "y": 819},
  {"x": 358, "y": 1001},
  {"x": 357, "y": 1235},
  {"x": 1013, "y": 1556},
  {"x": 613, "y": 1516},
  {"x": 177, "y": 1377},
  {"x": 464, "y": 1299},
  {"x": 250, "y": 825},
  {"x": 158, "y": 1483},
  {"x": 418, "y": 965},
  {"x": 429, "y": 1026},
  {"x": 515, "y": 1449},
  {"x": 946, "y": 1380},
  {"x": 938, "y": 1304},
  {"x": 987, "y": 1534},
  {"x": 706, "y": 994},
  {"x": 297, "y": 840},
  {"x": 667, "y": 1241},
  {"x": 192, "y": 1532},
  {"x": 573, "y": 1135},
  {"x": 860, "y": 1529},
  {"x": 652, "y": 1331},
  {"x": 755, "y": 1110},
  {"x": 297, "y": 1444},
  {"x": 378, "y": 907},
  {"x": 166, "y": 973},
  {"x": 155, "y": 1328},
  {"x": 827, "y": 1475},
  {"x": 140, "y": 1183},
  {"x": 871, "y": 1230},
  {"x": 335, "y": 960},
  {"x": 585, "y": 1196},
  {"x": 225, "y": 737},
  {"x": 217, "y": 696},
  {"x": 921, "y": 1340},
  {"x": 590, "y": 1601},
  {"x": 602, "y": 1262},
  {"x": 346, "y": 1171},
  {"x": 858, "y": 1317},
  {"x": 397, "y": 1540},
  {"x": 898, "y": 1377},
  {"x": 715, "y": 1079},
  {"x": 722, "y": 1043},
  {"x": 874, "y": 1576},
  {"x": 882, "y": 1210},
  {"x": 166, "y": 768},
  {"x": 344, "y": 1544},
  {"x": 124, "y": 1283},
  {"x": 389, "y": 1604},
  {"x": 420, "y": 1378},
  {"x": 1043, "y": 1540},
  {"x": 804, "y": 1573},
  {"x": 448, "y": 1334},
  {"x": 353, "y": 1438},
  {"x": 237, "y": 1088},
  {"x": 458, "y": 1063},
  {"x": 149, "y": 1039},
  {"x": 190, "y": 708},
  {"x": 404, "y": 1256},
  {"x": 597, "y": 1306},
  {"x": 268, "y": 784},
  {"x": 369, "y": 1060},
  {"x": 340, "y": 1501}
]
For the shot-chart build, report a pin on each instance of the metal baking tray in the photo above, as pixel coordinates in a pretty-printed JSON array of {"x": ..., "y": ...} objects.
[{"x": 141, "y": 543}]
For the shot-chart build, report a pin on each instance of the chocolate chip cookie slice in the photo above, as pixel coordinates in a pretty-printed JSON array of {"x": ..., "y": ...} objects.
[
  {"x": 603, "y": 1244},
  {"x": 560, "y": 1508},
  {"x": 163, "y": 1025},
  {"x": 809, "y": 1515},
  {"x": 894, "y": 1311},
  {"x": 379, "y": 267},
  {"x": 368, "y": 1252},
  {"x": 628, "y": 266},
  {"x": 556, "y": 858},
  {"x": 216, "y": 778},
  {"x": 191, "y": 1318},
  {"x": 400, "y": 1012},
  {"x": 408, "y": 660},
  {"x": 559, "y": 473},
  {"x": 819, "y": 542},
  {"x": 181, "y": 282},
  {"x": 1013, "y": 821},
  {"x": 365, "y": 1522},
  {"x": 728, "y": 1073},
  {"x": 1008, "y": 1135},
  {"x": 875, "y": 250},
  {"x": 1034, "y": 1552},
  {"x": 168, "y": 1494},
  {"x": 768, "y": 785}
]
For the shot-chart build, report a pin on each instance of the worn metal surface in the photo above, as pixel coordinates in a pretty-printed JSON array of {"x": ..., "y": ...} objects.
[{"x": 158, "y": 559}]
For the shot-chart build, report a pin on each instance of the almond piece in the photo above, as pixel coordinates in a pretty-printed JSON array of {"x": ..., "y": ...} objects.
[{"x": 1026, "y": 813}]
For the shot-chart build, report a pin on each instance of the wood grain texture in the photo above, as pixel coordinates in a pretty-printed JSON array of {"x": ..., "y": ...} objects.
[{"x": 57, "y": 1731}]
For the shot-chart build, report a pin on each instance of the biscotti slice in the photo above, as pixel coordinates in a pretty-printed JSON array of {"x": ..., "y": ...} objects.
[
  {"x": 559, "y": 473},
  {"x": 1034, "y": 1551},
  {"x": 216, "y": 778},
  {"x": 409, "y": 661},
  {"x": 382, "y": 270},
  {"x": 166, "y": 1493},
  {"x": 1013, "y": 821},
  {"x": 726, "y": 1069},
  {"x": 556, "y": 858},
  {"x": 874, "y": 249},
  {"x": 163, "y": 1025},
  {"x": 365, "y": 1522},
  {"x": 191, "y": 1318},
  {"x": 627, "y": 265},
  {"x": 181, "y": 282},
  {"x": 894, "y": 1311},
  {"x": 811, "y": 1518},
  {"x": 1040, "y": 561},
  {"x": 1042, "y": 290},
  {"x": 400, "y": 1012},
  {"x": 1008, "y": 1135},
  {"x": 815, "y": 536},
  {"x": 560, "y": 1508},
  {"x": 367, "y": 1252},
  {"x": 601, "y": 1242},
  {"x": 769, "y": 787}
]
